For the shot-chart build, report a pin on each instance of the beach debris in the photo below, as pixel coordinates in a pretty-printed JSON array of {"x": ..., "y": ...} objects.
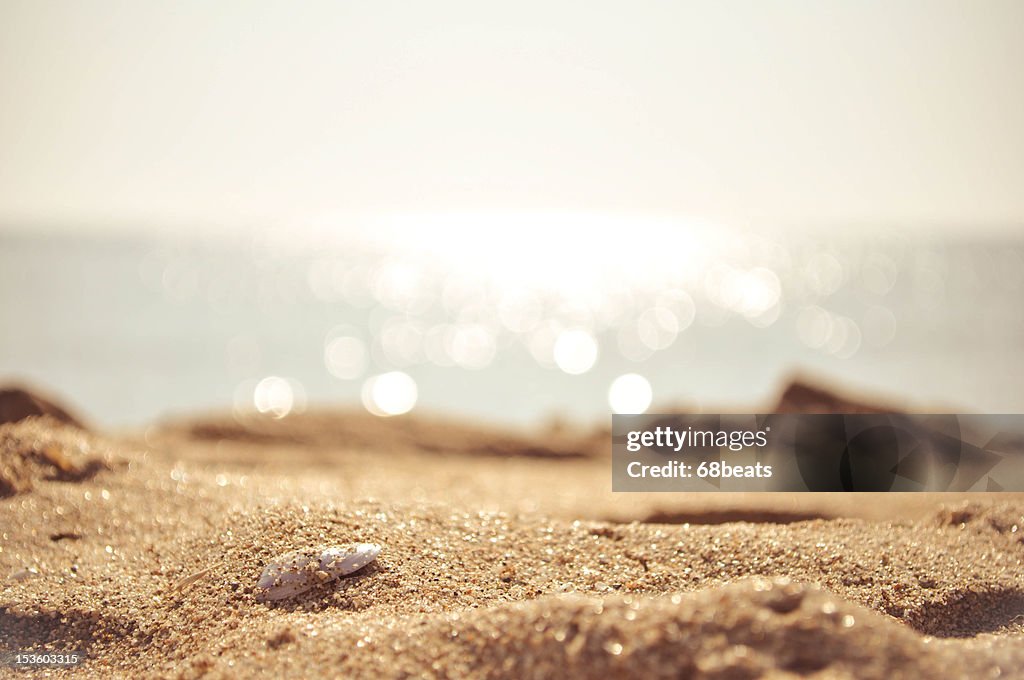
[
  {"x": 42, "y": 449},
  {"x": 191, "y": 578},
  {"x": 296, "y": 572},
  {"x": 23, "y": 574}
]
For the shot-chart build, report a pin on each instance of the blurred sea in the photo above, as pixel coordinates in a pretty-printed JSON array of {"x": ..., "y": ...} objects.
[{"x": 130, "y": 329}]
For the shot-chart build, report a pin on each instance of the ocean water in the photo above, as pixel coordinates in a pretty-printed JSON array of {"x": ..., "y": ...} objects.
[{"x": 133, "y": 329}]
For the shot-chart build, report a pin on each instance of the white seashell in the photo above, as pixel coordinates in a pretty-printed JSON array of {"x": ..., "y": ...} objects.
[
  {"x": 23, "y": 574},
  {"x": 297, "y": 572}
]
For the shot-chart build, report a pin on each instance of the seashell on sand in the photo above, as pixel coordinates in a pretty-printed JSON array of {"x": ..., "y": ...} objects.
[
  {"x": 296, "y": 572},
  {"x": 23, "y": 574}
]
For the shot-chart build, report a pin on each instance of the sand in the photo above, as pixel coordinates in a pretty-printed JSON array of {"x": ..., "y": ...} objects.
[{"x": 505, "y": 554}]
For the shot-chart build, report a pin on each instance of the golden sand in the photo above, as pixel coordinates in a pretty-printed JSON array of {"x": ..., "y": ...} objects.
[{"x": 504, "y": 555}]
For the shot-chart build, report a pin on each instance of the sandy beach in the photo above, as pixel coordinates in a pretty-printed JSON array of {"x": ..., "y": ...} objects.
[
  {"x": 508, "y": 341},
  {"x": 504, "y": 554}
]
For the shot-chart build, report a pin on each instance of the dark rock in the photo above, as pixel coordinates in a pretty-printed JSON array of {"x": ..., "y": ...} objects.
[
  {"x": 17, "y": 404},
  {"x": 800, "y": 396}
]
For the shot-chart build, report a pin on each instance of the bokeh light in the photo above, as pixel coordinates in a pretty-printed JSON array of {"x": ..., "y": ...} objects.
[
  {"x": 879, "y": 272},
  {"x": 401, "y": 339},
  {"x": 451, "y": 303},
  {"x": 814, "y": 326},
  {"x": 823, "y": 274},
  {"x": 657, "y": 328},
  {"x": 472, "y": 346},
  {"x": 630, "y": 393},
  {"x": 389, "y": 394},
  {"x": 575, "y": 351},
  {"x": 276, "y": 396},
  {"x": 345, "y": 357},
  {"x": 879, "y": 327}
]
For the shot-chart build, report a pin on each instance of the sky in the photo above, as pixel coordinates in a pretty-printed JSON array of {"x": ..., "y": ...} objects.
[{"x": 198, "y": 115}]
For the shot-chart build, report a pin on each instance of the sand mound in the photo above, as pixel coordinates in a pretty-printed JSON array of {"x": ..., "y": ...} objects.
[
  {"x": 355, "y": 430},
  {"x": 41, "y": 448},
  {"x": 430, "y": 434},
  {"x": 752, "y": 629}
]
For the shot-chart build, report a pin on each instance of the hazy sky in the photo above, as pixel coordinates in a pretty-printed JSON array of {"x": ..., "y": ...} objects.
[{"x": 822, "y": 112}]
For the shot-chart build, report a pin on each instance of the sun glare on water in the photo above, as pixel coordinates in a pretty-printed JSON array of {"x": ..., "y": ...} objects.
[
  {"x": 456, "y": 290},
  {"x": 569, "y": 254},
  {"x": 569, "y": 292}
]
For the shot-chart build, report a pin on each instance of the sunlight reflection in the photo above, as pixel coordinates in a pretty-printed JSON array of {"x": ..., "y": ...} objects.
[
  {"x": 575, "y": 351},
  {"x": 879, "y": 326},
  {"x": 879, "y": 273},
  {"x": 400, "y": 286},
  {"x": 345, "y": 357},
  {"x": 519, "y": 312},
  {"x": 657, "y": 328},
  {"x": 437, "y": 344},
  {"x": 631, "y": 345},
  {"x": 630, "y": 393},
  {"x": 401, "y": 339},
  {"x": 814, "y": 325},
  {"x": 472, "y": 346},
  {"x": 823, "y": 274},
  {"x": 389, "y": 394},
  {"x": 567, "y": 290},
  {"x": 277, "y": 397},
  {"x": 541, "y": 343}
]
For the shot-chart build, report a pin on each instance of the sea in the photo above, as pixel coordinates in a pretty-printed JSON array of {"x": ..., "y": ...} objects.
[{"x": 133, "y": 327}]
